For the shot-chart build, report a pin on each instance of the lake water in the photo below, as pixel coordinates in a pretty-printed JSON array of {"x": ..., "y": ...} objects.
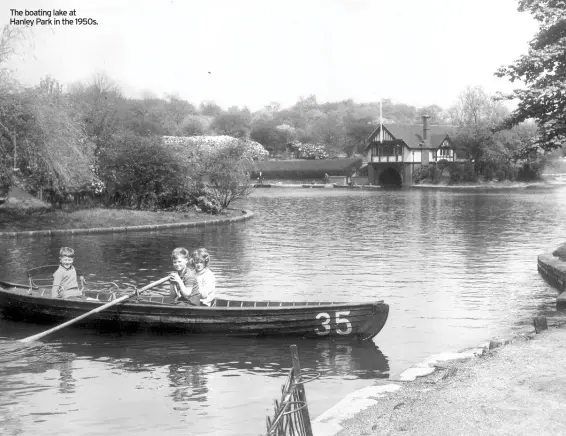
[{"x": 457, "y": 268}]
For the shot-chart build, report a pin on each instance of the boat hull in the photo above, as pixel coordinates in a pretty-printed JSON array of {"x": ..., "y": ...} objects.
[{"x": 258, "y": 318}]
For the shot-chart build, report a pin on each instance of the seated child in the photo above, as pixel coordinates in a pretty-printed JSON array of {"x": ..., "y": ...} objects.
[
  {"x": 205, "y": 280},
  {"x": 182, "y": 280},
  {"x": 66, "y": 279}
]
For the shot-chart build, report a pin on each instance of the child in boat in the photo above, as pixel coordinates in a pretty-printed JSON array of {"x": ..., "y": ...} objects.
[
  {"x": 66, "y": 279},
  {"x": 205, "y": 280},
  {"x": 182, "y": 280}
]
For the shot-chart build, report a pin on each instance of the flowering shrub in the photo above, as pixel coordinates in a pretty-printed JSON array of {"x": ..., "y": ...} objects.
[
  {"x": 212, "y": 144},
  {"x": 308, "y": 151},
  {"x": 97, "y": 187}
]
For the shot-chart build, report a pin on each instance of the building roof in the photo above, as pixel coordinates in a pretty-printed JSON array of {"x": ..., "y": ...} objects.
[{"x": 411, "y": 134}]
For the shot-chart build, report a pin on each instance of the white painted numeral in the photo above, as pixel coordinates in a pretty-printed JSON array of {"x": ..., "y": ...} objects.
[
  {"x": 325, "y": 324},
  {"x": 339, "y": 320},
  {"x": 345, "y": 330}
]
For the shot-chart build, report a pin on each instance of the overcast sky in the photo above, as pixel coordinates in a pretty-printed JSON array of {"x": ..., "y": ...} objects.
[{"x": 252, "y": 52}]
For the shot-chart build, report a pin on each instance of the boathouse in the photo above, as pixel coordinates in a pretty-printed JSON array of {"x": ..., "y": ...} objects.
[{"x": 394, "y": 156}]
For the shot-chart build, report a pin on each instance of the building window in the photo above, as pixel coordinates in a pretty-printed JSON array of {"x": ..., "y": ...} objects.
[{"x": 443, "y": 153}]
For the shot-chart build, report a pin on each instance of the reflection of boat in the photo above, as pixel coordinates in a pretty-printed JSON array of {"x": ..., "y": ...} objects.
[
  {"x": 264, "y": 318},
  {"x": 264, "y": 356}
]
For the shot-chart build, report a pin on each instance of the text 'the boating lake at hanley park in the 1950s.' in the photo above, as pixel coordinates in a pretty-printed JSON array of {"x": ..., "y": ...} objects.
[{"x": 48, "y": 17}]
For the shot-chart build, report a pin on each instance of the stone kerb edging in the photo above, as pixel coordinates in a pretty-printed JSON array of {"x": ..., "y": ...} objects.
[
  {"x": 246, "y": 215},
  {"x": 330, "y": 422},
  {"x": 553, "y": 269}
]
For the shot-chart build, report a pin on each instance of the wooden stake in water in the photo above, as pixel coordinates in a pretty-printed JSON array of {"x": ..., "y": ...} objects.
[{"x": 301, "y": 390}]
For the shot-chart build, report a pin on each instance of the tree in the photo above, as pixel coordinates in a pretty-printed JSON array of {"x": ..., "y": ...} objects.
[
  {"x": 140, "y": 171},
  {"x": 210, "y": 109},
  {"x": 399, "y": 112},
  {"x": 98, "y": 104},
  {"x": 193, "y": 125},
  {"x": 45, "y": 144},
  {"x": 328, "y": 130},
  {"x": 229, "y": 175},
  {"x": 436, "y": 113},
  {"x": 357, "y": 131},
  {"x": 234, "y": 122},
  {"x": 476, "y": 114},
  {"x": 175, "y": 112},
  {"x": 273, "y": 137},
  {"x": 10, "y": 38},
  {"x": 543, "y": 72}
]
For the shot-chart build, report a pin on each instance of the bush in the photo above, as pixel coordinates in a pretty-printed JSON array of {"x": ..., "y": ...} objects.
[
  {"x": 489, "y": 172},
  {"x": 530, "y": 171},
  {"x": 421, "y": 173},
  {"x": 468, "y": 173},
  {"x": 456, "y": 172},
  {"x": 308, "y": 151},
  {"x": 5, "y": 179},
  {"x": 139, "y": 172},
  {"x": 441, "y": 165},
  {"x": 229, "y": 176},
  {"x": 500, "y": 175}
]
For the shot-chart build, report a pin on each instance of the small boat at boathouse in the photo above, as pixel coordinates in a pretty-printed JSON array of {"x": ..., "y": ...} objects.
[{"x": 34, "y": 303}]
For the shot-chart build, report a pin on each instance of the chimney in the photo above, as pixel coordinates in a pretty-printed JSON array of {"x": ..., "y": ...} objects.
[{"x": 426, "y": 130}]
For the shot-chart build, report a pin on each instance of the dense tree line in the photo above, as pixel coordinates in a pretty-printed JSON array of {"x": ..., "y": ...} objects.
[{"x": 89, "y": 137}]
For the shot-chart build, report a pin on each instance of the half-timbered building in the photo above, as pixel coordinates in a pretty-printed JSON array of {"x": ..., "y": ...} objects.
[{"x": 394, "y": 155}]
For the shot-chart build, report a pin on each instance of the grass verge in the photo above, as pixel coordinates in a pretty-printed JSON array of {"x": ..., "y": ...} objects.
[{"x": 12, "y": 220}]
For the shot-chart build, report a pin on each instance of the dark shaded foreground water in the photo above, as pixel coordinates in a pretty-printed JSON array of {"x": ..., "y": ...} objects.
[
  {"x": 88, "y": 383},
  {"x": 457, "y": 268}
]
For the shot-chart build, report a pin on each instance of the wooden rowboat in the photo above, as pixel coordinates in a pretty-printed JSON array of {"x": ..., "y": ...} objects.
[{"x": 229, "y": 317}]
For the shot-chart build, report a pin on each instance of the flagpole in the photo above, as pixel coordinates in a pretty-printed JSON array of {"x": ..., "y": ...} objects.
[{"x": 380, "y": 121}]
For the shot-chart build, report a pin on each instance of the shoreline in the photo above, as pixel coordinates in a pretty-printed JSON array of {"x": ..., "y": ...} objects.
[
  {"x": 487, "y": 186},
  {"x": 245, "y": 215},
  {"x": 488, "y": 393},
  {"x": 358, "y": 411},
  {"x": 491, "y": 186}
]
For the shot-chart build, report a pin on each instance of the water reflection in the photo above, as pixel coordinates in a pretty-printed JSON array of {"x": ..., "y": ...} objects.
[
  {"x": 188, "y": 362},
  {"x": 456, "y": 268}
]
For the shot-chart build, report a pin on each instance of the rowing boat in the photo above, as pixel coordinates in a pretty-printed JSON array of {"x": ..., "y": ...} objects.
[{"x": 32, "y": 303}]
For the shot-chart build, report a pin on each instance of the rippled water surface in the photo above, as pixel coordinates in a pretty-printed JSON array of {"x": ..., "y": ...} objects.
[{"x": 457, "y": 268}]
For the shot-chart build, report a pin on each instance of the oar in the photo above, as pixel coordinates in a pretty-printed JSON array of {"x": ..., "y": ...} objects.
[{"x": 98, "y": 309}]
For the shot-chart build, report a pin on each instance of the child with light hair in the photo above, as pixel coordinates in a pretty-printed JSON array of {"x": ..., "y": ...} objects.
[
  {"x": 66, "y": 279},
  {"x": 205, "y": 281}
]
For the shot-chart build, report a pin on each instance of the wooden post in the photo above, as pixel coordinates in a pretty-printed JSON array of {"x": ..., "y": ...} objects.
[
  {"x": 540, "y": 324},
  {"x": 301, "y": 389},
  {"x": 15, "y": 153}
]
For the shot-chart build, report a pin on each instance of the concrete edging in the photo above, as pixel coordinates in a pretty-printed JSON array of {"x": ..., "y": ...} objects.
[
  {"x": 553, "y": 269},
  {"x": 330, "y": 422},
  {"x": 246, "y": 215}
]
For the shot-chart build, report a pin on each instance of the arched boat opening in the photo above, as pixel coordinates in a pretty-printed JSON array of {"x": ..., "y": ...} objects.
[{"x": 390, "y": 178}]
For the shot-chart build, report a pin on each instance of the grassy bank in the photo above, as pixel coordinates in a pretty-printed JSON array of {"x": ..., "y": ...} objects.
[{"x": 16, "y": 221}]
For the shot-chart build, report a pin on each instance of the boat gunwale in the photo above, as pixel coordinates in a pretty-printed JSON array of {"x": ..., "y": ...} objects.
[{"x": 92, "y": 304}]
